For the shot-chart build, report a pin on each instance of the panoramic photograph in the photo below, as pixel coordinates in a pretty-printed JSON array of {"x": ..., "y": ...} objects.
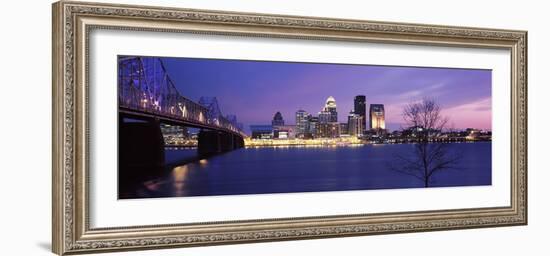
[{"x": 212, "y": 127}]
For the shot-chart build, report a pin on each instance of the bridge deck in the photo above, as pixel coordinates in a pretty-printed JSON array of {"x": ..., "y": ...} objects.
[{"x": 173, "y": 120}]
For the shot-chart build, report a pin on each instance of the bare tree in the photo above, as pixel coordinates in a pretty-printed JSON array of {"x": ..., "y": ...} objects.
[{"x": 427, "y": 123}]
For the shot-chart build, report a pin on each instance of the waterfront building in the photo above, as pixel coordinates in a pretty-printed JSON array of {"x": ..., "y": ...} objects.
[
  {"x": 280, "y": 134},
  {"x": 334, "y": 131},
  {"x": 261, "y": 131},
  {"x": 284, "y": 132},
  {"x": 278, "y": 119},
  {"x": 313, "y": 123},
  {"x": 355, "y": 124},
  {"x": 344, "y": 128},
  {"x": 174, "y": 130},
  {"x": 328, "y": 130},
  {"x": 377, "y": 117},
  {"x": 174, "y": 134},
  {"x": 302, "y": 123},
  {"x": 328, "y": 126},
  {"x": 360, "y": 108},
  {"x": 324, "y": 117}
]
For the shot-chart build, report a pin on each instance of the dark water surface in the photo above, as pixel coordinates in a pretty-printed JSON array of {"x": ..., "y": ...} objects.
[{"x": 300, "y": 169}]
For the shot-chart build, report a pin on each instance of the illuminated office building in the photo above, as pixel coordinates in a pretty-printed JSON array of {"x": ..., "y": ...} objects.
[
  {"x": 302, "y": 123},
  {"x": 377, "y": 117},
  {"x": 355, "y": 124},
  {"x": 328, "y": 126},
  {"x": 328, "y": 130},
  {"x": 284, "y": 132},
  {"x": 324, "y": 117},
  {"x": 262, "y": 131},
  {"x": 330, "y": 108},
  {"x": 344, "y": 128},
  {"x": 313, "y": 123},
  {"x": 360, "y": 108},
  {"x": 278, "y": 120}
]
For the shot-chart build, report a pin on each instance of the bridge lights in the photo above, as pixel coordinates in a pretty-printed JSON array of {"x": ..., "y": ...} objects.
[
  {"x": 201, "y": 117},
  {"x": 156, "y": 105},
  {"x": 183, "y": 110}
]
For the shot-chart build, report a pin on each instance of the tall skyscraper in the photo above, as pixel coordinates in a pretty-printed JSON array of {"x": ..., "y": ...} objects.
[
  {"x": 328, "y": 126},
  {"x": 324, "y": 117},
  {"x": 302, "y": 122},
  {"x": 330, "y": 106},
  {"x": 360, "y": 108},
  {"x": 278, "y": 119},
  {"x": 355, "y": 124},
  {"x": 377, "y": 117},
  {"x": 313, "y": 123}
]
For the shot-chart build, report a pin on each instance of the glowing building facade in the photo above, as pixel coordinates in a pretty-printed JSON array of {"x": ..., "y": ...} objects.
[
  {"x": 330, "y": 108},
  {"x": 377, "y": 117},
  {"x": 328, "y": 126}
]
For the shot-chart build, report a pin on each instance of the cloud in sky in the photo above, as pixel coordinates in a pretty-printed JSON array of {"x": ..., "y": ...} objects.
[{"x": 466, "y": 113}]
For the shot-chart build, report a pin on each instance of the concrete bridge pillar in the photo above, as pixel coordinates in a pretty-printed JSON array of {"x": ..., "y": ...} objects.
[
  {"x": 140, "y": 149},
  {"x": 210, "y": 143},
  {"x": 215, "y": 142},
  {"x": 227, "y": 142},
  {"x": 238, "y": 142}
]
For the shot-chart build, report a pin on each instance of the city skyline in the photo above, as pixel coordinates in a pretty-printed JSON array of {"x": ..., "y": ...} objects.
[
  {"x": 256, "y": 90},
  {"x": 183, "y": 136}
]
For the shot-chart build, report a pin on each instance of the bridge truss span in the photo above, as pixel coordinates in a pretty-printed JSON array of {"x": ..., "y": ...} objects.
[{"x": 146, "y": 89}]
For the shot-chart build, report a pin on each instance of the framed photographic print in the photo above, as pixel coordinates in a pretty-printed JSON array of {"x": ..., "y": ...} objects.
[{"x": 178, "y": 127}]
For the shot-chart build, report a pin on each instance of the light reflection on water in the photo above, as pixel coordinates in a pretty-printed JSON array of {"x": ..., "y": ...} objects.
[
  {"x": 179, "y": 175},
  {"x": 261, "y": 170}
]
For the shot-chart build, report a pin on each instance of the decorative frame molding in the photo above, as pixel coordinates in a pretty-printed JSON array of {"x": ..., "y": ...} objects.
[{"x": 72, "y": 22}]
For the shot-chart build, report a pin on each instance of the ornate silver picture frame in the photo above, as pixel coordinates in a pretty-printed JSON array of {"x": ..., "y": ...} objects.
[{"x": 74, "y": 21}]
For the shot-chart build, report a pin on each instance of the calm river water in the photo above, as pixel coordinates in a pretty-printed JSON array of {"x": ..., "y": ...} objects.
[{"x": 300, "y": 169}]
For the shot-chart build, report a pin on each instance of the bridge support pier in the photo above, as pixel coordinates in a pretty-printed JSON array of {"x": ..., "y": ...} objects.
[
  {"x": 227, "y": 142},
  {"x": 238, "y": 142},
  {"x": 216, "y": 142},
  {"x": 141, "y": 150},
  {"x": 209, "y": 143}
]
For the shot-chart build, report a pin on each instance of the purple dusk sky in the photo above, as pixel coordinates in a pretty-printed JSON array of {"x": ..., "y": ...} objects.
[{"x": 255, "y": 90}]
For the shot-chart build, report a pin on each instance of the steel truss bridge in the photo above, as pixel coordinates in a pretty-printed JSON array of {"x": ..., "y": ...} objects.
[
  {"x": 146, "y": 90},
  {"x": 147, "y": 97}
]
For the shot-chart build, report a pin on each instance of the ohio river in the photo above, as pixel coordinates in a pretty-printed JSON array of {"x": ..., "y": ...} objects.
[{"x": 300, "y": 169}]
